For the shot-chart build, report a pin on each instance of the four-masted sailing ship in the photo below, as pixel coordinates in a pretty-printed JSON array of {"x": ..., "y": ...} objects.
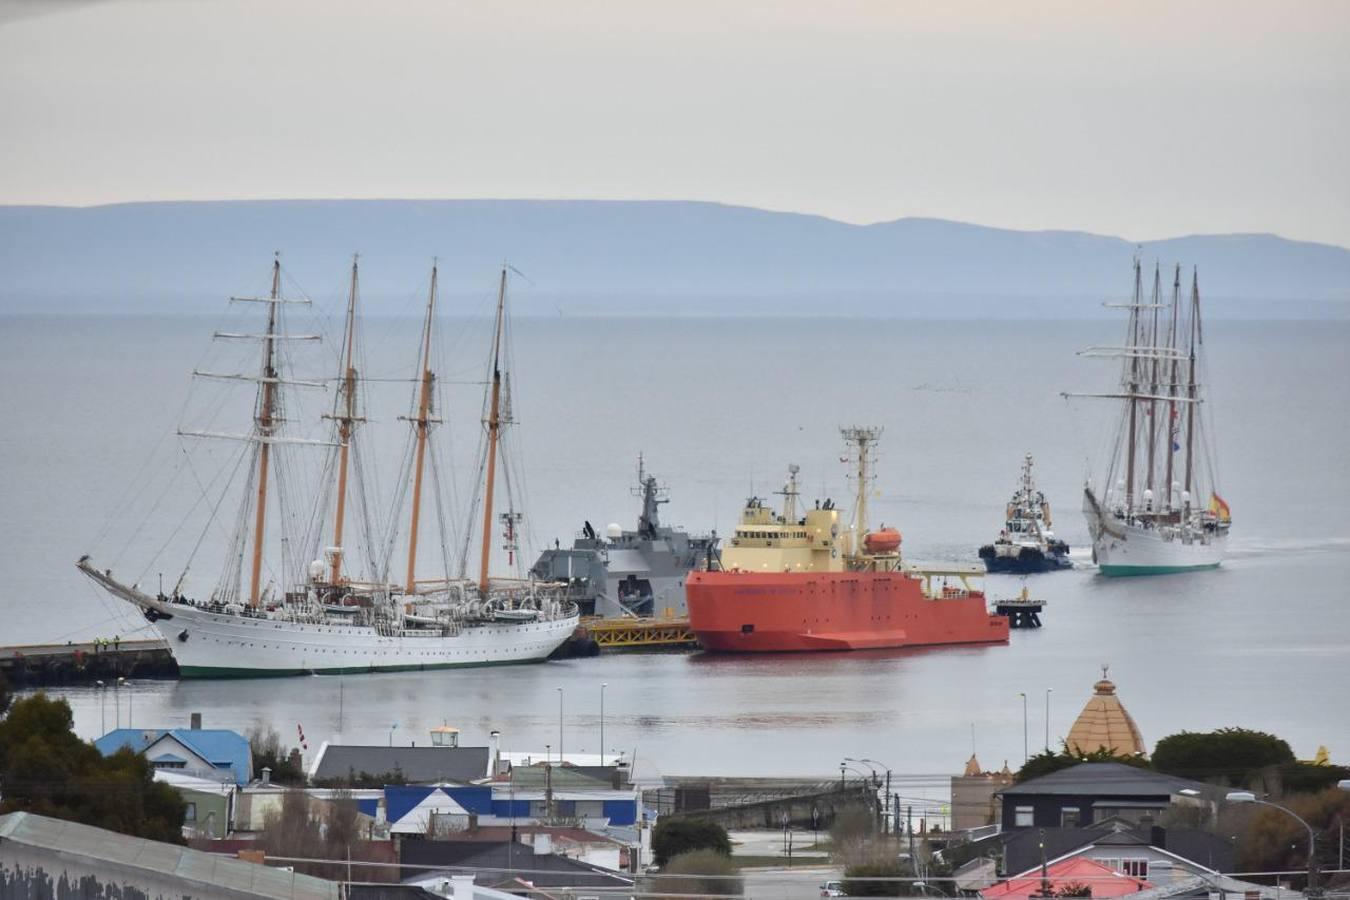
[
  {"x": 325, "y": 620},
  {"x": 1146, "y": 516}
]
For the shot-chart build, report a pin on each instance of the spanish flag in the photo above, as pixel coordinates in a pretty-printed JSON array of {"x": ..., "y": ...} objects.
[{"x": 1219, "y": 507}]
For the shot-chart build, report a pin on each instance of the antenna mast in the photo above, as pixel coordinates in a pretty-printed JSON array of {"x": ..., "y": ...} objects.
[
  {"x": 493, "y": 424},
  {"x": 423, "y": 424},
  {"x": 864, "y": 439}
]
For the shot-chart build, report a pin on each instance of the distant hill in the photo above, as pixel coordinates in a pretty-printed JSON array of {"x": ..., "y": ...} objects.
[{"x": 624, "y": 256}]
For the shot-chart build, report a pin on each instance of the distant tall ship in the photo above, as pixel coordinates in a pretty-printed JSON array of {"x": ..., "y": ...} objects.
[
  {"x": 313, "y": 613},
  {"x": 801, "y": 580},
  {"x": 1146, "y": 516},
  {"x": 630, "y": 573},
  {"x": 1026, "y": 545}
]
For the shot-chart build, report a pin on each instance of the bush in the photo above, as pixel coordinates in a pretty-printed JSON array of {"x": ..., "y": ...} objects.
[
  {"x": 674, "y": 837},
  {"x": 852, "y": 825},
  {"x": 701, "y": 872},
  {"x": 876, "y": 868}
]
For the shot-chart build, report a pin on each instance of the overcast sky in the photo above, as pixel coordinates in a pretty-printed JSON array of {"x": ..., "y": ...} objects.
[{"x": 1139, "y": 119}]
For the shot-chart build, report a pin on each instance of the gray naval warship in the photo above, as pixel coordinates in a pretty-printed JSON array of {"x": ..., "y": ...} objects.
[{"x": 630, "y": 573}]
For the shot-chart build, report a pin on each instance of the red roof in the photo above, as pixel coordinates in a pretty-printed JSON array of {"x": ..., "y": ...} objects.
[{"x": 1104, "y": 881}]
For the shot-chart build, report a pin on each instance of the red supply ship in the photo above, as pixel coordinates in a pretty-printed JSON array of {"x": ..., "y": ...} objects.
[{"x": 791, "y": 582}]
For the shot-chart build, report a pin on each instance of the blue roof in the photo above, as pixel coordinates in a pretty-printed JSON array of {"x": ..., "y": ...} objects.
[{"x": 222, "y": 748}]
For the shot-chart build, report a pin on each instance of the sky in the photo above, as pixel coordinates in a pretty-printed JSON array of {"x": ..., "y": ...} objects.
[{"x": 1143, "y": 120}]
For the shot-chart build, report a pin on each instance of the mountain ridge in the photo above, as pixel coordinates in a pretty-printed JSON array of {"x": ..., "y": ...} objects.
[{"x": 646, "y": 256}]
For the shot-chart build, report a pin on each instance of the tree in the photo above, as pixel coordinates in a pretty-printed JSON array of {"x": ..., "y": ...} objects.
[
  {"x": 1074, "y": 889},
  {"x": 1270, "y": 840},
  {"x": 47, "y": 770},
  {"x": 304, "y": 827},
  {"x": 701, "y": 872},
  {"x": 1232, "y": 754},
  {"x": 268, "y": 752},
  {"x": 675, "y": 836},
  {"x": 852, "y": 825},
  {"x": 5, "y": 696},
  {"x": 1046, "y": 761}
]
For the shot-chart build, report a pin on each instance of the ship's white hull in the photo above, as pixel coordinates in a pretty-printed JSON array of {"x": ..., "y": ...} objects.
[
  {"x": 1122, "y": 549},
  {"x": 211, "y": 644},
  {"x": 219, "y": 645}
]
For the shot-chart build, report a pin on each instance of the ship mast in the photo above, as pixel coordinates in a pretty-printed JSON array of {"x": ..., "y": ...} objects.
[
  {"x": 264, "y": 420},
  {"x": 423, "y": 425},
  {"x": 345, "y": 421},
  {"x": 1195, "y": 337},
  {"x": 1153, "y": 387},
  {"x": 493, "y": 424},
  {"x": 1172, "y": 384},
  {"x": 1132, "y": 389}
]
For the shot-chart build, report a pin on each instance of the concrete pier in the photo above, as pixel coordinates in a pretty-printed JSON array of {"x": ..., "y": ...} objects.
[{"x": 85, "y": 662}]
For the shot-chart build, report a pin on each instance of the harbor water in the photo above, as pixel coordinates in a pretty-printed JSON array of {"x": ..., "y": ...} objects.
[{"x": 720, "y": 407}]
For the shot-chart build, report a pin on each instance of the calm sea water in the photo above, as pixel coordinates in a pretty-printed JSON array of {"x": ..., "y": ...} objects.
[{"x": 720, "y": 407}]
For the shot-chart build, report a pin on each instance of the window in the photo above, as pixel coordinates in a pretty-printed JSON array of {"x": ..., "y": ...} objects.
[
  {"x": 1069, "y": 817},
  {"x": 190, "y": 813},
  {"x": 1024, "y": 816},
  {"x": 1135, "y": 868}
]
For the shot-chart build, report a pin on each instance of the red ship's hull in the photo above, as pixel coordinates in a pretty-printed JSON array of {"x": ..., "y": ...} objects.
[{"x": 750, "y": 612}]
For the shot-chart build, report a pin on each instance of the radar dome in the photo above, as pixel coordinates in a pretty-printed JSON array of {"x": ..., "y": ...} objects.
[
  {"x": 614, "y": 530},
  {"x": 316, "y": 570}
]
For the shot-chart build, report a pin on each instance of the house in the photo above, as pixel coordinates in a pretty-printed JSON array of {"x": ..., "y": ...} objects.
[
  {"x": 1089, "y": 792},
  {"x": 44, "y": 857},
  {"x": 1055, "y": 877},
  {"x": 506, "y": 862},
  {"x": 210, "y": 805},
  {"x": 1161, "y": 855},
  {"x": 1217, "y": 887},
  {"x": 207, "y": 753},
  {"x": 413, "y": 765}
]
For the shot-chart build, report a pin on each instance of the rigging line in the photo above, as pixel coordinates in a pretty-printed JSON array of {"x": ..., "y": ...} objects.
[
  {"x": 215, "y": 509},
  {"x": 440, "y": 516},
  {"x": 135, "y": 532}
]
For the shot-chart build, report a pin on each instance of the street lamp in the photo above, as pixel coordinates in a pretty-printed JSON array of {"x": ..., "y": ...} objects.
[
  {"x": 1048, "y": 692},
  {"x": 1248, "y": 797},
  {"x": 392, "y": 729},
  {"x": 560, "y": 726},
  {"x": 886, "y": 805},
  {"x": 603, "y": 685},
  {"x": 1026, "y": 753}
]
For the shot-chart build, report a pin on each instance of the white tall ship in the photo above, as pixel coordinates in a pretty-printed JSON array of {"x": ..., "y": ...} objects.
[
  {"x": 326, "y": 619},
  {"x": 1147, "y": 515}
]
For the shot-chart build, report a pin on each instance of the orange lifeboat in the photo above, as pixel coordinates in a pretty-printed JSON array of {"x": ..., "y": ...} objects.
[{"x": 886, "y": 540}]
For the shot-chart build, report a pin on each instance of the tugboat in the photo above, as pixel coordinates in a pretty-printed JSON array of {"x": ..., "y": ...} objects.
[
  {"x": 1026, "y": 545},
  {"x": 630, "y": 573},
  {"x": 797, "y": 582}
]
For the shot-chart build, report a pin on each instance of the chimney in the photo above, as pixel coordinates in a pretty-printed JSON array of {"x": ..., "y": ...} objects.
[
  {"x": 543, "y": 843},
  {"x": 494, "y": 753},
  {"x": 266, "y": 775},
  {"x": 196, "y": 721},
  {"x": 461, "y": 887}
]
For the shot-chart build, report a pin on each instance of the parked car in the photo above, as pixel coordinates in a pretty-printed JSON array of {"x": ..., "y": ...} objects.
[{"x": 832, "y": 889}]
